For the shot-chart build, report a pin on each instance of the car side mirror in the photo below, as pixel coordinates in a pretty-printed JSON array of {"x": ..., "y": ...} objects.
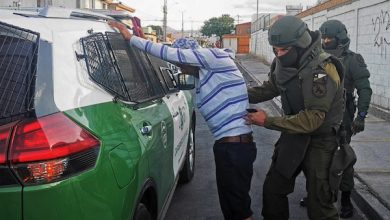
[{"x": 185, "y": 81}]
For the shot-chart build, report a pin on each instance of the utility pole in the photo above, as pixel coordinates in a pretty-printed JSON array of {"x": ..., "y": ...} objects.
[
  {"x": 192, "y": 22},
  {"x": 238, "y": 19},
  {"x": 165, "y": 11},
  {"x": 257, "y": 20},
  {"x": 182, "y": 24}
]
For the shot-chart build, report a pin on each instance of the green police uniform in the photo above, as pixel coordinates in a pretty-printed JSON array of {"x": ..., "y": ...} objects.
[
  {"x": 356, "y": 77},
  {"x": 312, "y": 99}
]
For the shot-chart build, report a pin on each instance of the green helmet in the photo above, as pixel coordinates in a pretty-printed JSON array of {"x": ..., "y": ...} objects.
[
  {"x": 289, "y": 31},
  {"x": 334, "y": 29}
]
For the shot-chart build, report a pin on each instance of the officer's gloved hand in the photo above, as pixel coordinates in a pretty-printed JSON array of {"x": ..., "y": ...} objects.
[{"x": 357, "y": 125}]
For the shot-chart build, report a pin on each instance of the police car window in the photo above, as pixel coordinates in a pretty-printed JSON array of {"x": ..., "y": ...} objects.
[
  {"x": 156, "y": 63},
  {"x": 168, "y": 77},
  {"x": 165, "y": 75},
  {"x": 18, "y": 65},
  {"x": 140, "y": 78},
  {"x": 119, "y": 68}
]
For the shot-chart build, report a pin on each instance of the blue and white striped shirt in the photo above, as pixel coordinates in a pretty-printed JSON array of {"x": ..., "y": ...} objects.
[{"x": 221, "y": 93}]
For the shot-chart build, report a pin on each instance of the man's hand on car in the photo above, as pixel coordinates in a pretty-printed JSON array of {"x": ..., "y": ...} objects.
[{"x": 121, "y": 28}]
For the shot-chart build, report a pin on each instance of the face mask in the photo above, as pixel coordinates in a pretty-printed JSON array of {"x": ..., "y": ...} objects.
[
  {"x": 290, "y": 58},
  {"x": 330, "y": 45}
]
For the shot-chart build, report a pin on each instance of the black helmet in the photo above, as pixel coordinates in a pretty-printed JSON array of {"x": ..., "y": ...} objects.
[
  {"x": 334, "y": 29},
  {"x": 289, "y": 31}
]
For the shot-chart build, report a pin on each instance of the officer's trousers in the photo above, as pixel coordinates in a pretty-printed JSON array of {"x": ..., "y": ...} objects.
[
  {"x": 347, "y": 182},
  {"x": 320, "y": 197}
]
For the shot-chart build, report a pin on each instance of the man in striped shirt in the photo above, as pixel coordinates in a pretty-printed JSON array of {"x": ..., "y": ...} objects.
[{"x": 222, "y": 99}]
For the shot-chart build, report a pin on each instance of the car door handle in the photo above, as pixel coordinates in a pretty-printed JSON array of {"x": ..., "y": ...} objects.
[
  {"x": 175, "y": 114},
  {"x": 146, "y": 130}
]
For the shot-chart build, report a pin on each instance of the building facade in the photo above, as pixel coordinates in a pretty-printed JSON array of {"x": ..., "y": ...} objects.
[{"x": 240, "y": 41}]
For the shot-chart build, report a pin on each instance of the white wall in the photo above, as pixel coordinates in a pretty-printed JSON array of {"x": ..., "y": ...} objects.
[
  {"x": 368, "y": 25},
  {"x": 64, "y": 3},
  {"x": 259, "y": 45},
  {"x": 230, "y": 43}
]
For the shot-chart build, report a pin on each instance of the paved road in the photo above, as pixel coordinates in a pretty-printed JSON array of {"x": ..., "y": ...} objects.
[{"x": 198, "y": 200}]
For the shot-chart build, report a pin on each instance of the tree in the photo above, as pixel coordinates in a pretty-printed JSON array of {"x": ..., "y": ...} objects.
[
  {"x": 157, "y": 28},
  {"x": 218, "y": 26}
]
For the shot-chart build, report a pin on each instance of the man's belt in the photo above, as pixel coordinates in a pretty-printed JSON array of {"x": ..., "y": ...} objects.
[{"x": 243, "y": 138}]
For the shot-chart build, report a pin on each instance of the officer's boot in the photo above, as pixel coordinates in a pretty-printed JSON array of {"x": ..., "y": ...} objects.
[{"x": 346, "y": 205}]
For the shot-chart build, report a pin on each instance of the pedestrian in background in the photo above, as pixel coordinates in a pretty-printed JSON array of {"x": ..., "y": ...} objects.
[
  {"x": 310, "y": 83},
  {"x": 222, "y": 99},
  {"x": 335, "y": 41}
]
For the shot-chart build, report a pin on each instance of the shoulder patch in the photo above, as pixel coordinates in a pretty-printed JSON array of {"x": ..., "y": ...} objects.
[
  {"x": 360, "y": 60},
  {"x": 320, "y": 79}
]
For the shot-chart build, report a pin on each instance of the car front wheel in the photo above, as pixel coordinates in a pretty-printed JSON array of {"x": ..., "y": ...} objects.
[
  {"x": 187, "y": 173},
  {"x": 142, "y": 213}
]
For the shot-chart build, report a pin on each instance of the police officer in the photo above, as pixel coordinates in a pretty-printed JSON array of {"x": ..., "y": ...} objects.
[
  {"x": 310, "y": 83},
  {"x": 336, "y": 42}
]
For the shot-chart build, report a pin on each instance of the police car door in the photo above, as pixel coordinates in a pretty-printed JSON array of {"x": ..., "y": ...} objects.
[{"x": 178, "y": 106}]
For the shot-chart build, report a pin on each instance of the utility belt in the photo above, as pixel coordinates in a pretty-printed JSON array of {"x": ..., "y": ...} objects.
[{"x": 243, "y": 138}]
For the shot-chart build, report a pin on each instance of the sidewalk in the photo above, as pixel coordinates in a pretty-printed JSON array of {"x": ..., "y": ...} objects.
[{"x": 372, "y": 147}]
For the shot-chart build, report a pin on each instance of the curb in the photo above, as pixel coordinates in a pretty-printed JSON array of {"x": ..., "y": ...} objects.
[{"x": 368, "y": 202}]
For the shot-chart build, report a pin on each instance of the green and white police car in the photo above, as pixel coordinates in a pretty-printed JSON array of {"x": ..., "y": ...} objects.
[{"x": 90, "y": 127}]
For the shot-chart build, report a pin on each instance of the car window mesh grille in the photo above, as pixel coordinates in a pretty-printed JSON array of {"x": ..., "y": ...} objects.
[
  {"x": 101, "y": 65},
  {"x": 136, "y": 84},
  {"x": 120, "y": 68},
  {"x": 18, "y": 68},
  {"x": 139, "y": 76}
]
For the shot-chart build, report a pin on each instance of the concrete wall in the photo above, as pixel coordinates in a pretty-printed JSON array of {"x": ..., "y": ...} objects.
[
  {"x": 230, "y": 43},
  {"x": 259, "y": 45},
  {"x": 64, "y": 3},
  {"x": 368, "y": 25}
]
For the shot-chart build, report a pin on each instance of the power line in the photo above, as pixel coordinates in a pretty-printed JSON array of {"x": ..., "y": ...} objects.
[{"x": 165, "y": 21}]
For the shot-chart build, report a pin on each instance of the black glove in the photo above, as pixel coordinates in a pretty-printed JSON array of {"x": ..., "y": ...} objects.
[{"x": 357, "y": 125}]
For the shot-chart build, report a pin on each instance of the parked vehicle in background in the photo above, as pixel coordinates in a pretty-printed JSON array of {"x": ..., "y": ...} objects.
[{"x": 90, "y": 127}]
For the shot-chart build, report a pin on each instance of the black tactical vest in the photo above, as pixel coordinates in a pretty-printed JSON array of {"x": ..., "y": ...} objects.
[{"x": 289, "y": 79}]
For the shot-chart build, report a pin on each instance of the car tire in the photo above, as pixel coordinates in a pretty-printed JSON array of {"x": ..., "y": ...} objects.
[
  {"x": 142, "y": 213},
  {"x": 188, "y": 170}
]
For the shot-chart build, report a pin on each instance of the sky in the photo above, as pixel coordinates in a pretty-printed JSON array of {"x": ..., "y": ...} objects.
[{"x": 196, "y": 12}]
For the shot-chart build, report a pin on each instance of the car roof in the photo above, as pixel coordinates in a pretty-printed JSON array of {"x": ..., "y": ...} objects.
[{"x": 47, "y": 20}]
